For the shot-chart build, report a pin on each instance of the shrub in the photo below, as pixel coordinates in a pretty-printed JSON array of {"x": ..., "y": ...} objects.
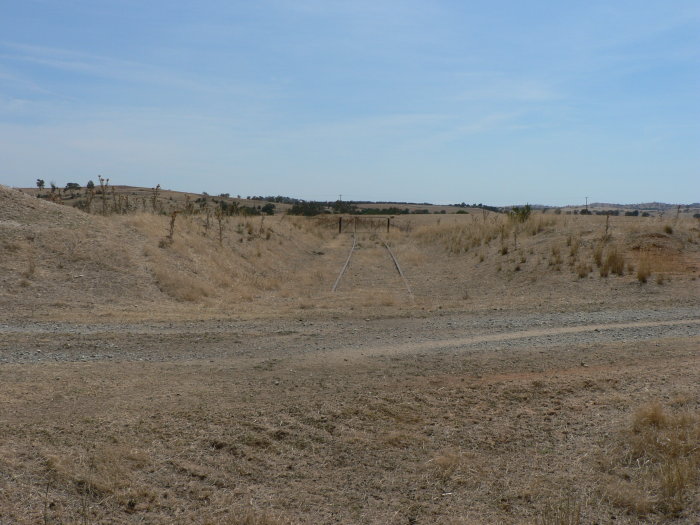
[
  {"x": 521, "y": 214},
  {"x": 307, "y": 208}
]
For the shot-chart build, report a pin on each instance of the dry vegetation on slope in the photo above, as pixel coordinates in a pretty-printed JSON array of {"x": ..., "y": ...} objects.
[
  {"x": 59, "y": 260},
  {"x": 56, "y": 258}
]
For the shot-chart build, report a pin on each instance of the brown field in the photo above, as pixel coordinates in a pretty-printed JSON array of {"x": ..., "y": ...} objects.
[{"x": 539, "y": 372}]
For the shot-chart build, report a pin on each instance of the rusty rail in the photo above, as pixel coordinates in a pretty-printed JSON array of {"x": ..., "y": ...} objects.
[
  {"x": 345, "y": 266},
  {"x": 393, "y": 259},
  {"x": 398, "y": 269}
]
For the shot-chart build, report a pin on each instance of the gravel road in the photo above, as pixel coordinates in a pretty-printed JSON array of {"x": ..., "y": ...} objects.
[{"x": 34, "y": 342}]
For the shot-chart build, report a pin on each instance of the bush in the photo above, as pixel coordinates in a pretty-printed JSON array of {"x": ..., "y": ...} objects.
[
  {"x": 308, "y": 209},
  {"x": 521, "y": 214}
]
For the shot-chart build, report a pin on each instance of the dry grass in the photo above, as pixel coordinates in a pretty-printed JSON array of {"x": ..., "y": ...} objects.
[
  {"x": 567, "y": 511},
  {"x": 305, "y": 439},
  {"x": 658, "y": 461},
  {"x": 197, "y": 267},
  {"x": 583, "y": 270},
  {"x": 643, "y": 269},
  {"x": 598, "y": 254},
  {"x": 614, "y": 263},
  {"x": 265, "y": 264}
]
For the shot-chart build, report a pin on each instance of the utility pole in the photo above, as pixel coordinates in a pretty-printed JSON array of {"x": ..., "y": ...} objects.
[{"x": 340, "y": 197}]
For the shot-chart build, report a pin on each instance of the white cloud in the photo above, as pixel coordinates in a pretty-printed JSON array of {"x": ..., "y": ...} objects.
[{"x": 129, "y": 71}]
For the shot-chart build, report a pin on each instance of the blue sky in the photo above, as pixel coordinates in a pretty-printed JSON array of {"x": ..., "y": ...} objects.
[{"x": 501, "y": 102}]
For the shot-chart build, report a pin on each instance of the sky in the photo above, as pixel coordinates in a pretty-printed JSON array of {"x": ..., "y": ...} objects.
[{"x": 444, "y": 101}]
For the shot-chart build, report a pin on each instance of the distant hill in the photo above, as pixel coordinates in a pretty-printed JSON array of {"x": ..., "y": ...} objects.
[
  {"x": 141, "y": 197},
  {"x": 649, "y": 206}
]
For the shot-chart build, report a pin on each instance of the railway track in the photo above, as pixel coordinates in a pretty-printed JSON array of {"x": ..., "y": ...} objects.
[{"x": 365, "y": 271}]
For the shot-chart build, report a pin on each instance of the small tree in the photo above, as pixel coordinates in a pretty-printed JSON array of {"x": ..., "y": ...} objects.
[
  {"x": 521, "y": 214},
  {"x": 344, "y": 207},
  {"x": 40, "y": 184},
  {"x": 90, "y": 185}
]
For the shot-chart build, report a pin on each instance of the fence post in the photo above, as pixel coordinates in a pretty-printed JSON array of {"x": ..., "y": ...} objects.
[
  {"x": 388, "y": 223},
  {"x": 340, "y": 224}
]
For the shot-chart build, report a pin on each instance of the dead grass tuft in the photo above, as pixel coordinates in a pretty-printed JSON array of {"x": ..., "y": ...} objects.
[
  {"x": 446, "y": 464},
  {"x": 250, "y": 516},
  {"x": 598, "y": 254},
  {"x": 179, "y": 285},
  {"x": 583, "y": 270},
  {"x": 564, "y": 512},
  {"x": 643, "y": 268},
  {"x": 657, "y": 462},
  {"x": 614, "y": 263},
  {"x": 651, "y": 415},
  {"x": 102, "y": 472}
]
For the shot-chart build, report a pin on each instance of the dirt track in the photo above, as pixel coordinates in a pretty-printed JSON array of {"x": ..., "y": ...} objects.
[{"x": 349, "y": 338}]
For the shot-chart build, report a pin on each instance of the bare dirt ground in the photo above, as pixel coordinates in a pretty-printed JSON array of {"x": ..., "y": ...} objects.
[{"x": 496, "y": 396}]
